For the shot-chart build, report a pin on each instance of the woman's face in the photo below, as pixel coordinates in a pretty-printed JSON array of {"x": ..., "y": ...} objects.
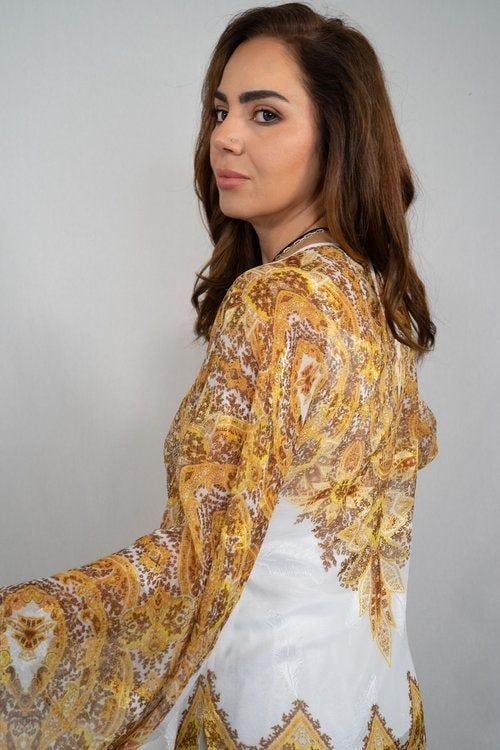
[{"x": 273, "y": 142}]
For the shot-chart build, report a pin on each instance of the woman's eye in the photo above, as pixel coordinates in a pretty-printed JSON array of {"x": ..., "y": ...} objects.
[
  {"x": 216, "y": 110},
  {"x": 270, "y": 113}
]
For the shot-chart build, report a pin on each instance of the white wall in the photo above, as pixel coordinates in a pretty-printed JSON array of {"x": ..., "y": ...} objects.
[{"x": 100, "y": 236}]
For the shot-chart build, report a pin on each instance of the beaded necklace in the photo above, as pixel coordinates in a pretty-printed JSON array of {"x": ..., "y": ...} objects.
[{"x": 297, "y": 240}]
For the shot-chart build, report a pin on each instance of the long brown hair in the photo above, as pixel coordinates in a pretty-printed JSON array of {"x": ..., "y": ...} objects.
[{"x": 367, "y": 186}]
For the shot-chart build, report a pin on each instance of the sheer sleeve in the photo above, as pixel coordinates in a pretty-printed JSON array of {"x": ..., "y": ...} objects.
[
  {"x": 425, "y": 427},
  {"x": 94, "y": 657}
]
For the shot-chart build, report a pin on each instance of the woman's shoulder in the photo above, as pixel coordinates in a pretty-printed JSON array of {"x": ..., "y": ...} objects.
[
  {"x": 329, "y": 277},
  {"x": 263, "y": 289}
]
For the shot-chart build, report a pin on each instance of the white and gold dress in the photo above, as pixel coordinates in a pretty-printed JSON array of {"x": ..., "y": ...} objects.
[{"x": 268, "y": 609}]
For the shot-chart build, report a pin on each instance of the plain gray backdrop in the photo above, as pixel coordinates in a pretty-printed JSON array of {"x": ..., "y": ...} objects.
[{"x": 100, "y": 238}]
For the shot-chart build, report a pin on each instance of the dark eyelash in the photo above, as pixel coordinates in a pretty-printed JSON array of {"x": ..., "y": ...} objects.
[{"x": 261, "y": 109}]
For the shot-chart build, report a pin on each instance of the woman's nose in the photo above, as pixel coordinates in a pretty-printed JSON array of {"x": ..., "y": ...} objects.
[
  {"x": 230, "y": 142},
  {"x": 227, "y": 136}
]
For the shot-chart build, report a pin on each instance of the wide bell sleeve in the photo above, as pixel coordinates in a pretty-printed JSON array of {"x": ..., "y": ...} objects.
[{"x": 96, "y": 656}]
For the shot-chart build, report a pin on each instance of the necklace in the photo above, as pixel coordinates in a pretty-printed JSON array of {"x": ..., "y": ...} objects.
[{"x": 301, "y": 237}]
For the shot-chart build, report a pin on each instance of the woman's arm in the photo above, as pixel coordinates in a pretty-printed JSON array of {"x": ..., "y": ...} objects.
[{"x": 96, "y": 656}]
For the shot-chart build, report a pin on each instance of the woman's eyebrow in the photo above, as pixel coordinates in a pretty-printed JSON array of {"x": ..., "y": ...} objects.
[{"x": 249, "y": 96}]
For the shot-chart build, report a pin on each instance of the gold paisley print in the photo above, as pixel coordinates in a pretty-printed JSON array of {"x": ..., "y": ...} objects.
[
  {"x": 298, "y": 729},
  {"x": 303, "y": 393}
]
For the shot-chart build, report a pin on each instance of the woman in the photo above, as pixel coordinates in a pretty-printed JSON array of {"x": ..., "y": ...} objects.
[{"x": 268, "y": 609}]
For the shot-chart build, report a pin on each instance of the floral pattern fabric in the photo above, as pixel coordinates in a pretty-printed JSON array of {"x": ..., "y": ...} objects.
[{"x": 305, "y": 417}]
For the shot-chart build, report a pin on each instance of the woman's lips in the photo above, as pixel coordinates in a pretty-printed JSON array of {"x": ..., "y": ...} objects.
[{"x": 231, "y": 182}]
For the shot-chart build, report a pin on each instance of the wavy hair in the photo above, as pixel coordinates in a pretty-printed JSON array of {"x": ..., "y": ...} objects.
[{"x": 367, "y": 186}]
